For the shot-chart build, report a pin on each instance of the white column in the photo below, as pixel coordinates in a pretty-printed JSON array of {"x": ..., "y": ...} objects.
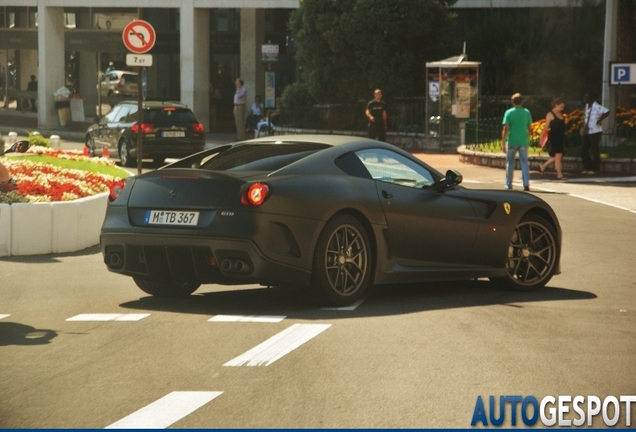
[
  {"x": 51, "y": 61},
  {"x": 608, "y": 98},
  {"x": 195, "y": 59},
  {"x": 252, "y": 37}
]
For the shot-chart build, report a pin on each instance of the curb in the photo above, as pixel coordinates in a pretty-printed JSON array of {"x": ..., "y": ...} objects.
[{"x": 52, "y": 227}]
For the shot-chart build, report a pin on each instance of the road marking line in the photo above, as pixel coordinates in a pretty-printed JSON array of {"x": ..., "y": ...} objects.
[
  {"x": 278, "y": 345},
  {"x": 248, "y": 318},
  {"x": 4, "y": 315},
  {"x": 108, "y": 317},
  {"x": 165, "y": 411},
  {"x": 603, "y": 202},
  {"x": 345, "y": 308}
]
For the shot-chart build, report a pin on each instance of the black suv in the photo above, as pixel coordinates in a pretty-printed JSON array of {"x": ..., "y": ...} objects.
[{"x": 169, "y": 129}]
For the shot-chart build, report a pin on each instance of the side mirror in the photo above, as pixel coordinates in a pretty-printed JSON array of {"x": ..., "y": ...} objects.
[{"x": 453, "y": 178}]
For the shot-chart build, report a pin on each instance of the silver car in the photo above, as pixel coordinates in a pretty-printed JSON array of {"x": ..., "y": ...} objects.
[{"x": 119, "y": 83}]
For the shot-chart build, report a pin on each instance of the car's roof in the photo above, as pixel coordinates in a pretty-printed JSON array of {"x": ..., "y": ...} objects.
[
  {"x": 157, "y": 104},
  {"x": 332, "y": 140}
]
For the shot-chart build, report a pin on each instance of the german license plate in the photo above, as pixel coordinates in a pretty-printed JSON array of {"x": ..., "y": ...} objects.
[
  {"x": 173, "y": 134},
  {"x": 163, "y": 217}
]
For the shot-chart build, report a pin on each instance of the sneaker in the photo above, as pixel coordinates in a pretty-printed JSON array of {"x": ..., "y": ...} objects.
[{"x": 526, "y": 188}]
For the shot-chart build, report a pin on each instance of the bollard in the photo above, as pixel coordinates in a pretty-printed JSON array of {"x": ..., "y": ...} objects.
[
  {"x": 35, "y": 133},
  {"x": 13, "y": 137},
  {"x": 55, "y": 141}
]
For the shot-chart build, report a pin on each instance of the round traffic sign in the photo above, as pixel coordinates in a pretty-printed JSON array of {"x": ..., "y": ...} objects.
[{"x": 139, "y": 36}]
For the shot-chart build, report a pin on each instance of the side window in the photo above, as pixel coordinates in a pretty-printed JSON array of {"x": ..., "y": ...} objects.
[
  {"x": 390, "y": 167},
  {"x": 122, "y": 114},
  {"x": 132, "y": 114},
  {"x": 112, "y": 114}
]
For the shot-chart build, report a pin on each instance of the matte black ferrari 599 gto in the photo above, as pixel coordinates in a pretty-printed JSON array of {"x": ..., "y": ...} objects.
[{"x": 335, "y": 214}]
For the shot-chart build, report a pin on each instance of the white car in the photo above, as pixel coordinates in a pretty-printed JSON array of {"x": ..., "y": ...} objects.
[{"x": 119, "y": 83}]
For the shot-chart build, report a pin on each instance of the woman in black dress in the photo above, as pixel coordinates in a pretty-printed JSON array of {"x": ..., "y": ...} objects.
[{"x": 555, "y": 124}]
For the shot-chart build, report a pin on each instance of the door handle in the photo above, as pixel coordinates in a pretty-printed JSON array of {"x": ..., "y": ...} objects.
[{"x": 385, "y": 194}]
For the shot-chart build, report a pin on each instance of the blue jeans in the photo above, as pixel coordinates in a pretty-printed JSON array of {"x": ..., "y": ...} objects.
[{"x": 511, "y": 153}]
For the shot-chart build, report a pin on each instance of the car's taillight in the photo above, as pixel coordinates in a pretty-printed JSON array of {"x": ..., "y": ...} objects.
[
  {"x": 256, "y": 195},
  {"x": 145, "y": 128},
  {"x": 198, "y": 128},
  {"x": 115, "y": 190}
]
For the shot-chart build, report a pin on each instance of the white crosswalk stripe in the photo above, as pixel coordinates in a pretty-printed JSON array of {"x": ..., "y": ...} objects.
[
  {"x": 4, "y": 315},
  {"x": 166, "y": 411},
  {"x": 278, "y": 345},
  {"x": 248, "y": 318},
  {"x": 108, "y": 317}
]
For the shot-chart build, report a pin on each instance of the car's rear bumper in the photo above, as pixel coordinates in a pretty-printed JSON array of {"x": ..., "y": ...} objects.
[
  {"x": 195, "y": 258},
  {"x": 165, "y": 148}
]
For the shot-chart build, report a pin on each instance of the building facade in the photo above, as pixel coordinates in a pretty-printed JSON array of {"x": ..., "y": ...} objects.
[{"x": 71, "y": 43}]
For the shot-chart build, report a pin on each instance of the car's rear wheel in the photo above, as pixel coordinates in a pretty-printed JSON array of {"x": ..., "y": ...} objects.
[
  {"x": 124, "y": 154},
  {"x": 342, "y": 261},
  {"x": 90, "y": 145},
  {"x": 166, "y": 288},
  {"x": 532, "y": 255}
]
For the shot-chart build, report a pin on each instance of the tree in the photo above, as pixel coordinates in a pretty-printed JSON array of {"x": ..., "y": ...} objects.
[{"x": 346, "y": 48}]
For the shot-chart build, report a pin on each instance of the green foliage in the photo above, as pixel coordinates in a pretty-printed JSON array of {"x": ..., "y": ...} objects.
[
  {"x": 38, "y": 140},
  {"x": 298, "y": 108},
  {"x": 78, "y": 165},
  {"x": 347, "y": 48},
  {"x": 556, "y": 51}
]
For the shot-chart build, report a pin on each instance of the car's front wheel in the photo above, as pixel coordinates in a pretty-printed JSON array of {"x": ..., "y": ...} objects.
[
  {"x": 532, "y": 255},
  {"x": 342, "y": 261},
  {"x": 124, "y": 154},
  {"x": 166, "y": 288}
]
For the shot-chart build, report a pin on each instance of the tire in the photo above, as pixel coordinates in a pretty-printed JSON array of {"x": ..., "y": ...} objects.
[
  {"x": 342, "y": 265},
  {"x": 166, "y": 288},
  {"x": 124, "y": 155},
  {"x": 90, "y": 144},
  {"x": 532, "y": 255}
]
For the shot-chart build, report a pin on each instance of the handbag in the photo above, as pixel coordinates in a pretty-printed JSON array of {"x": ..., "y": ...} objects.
[{"x": 544, "y": 137}]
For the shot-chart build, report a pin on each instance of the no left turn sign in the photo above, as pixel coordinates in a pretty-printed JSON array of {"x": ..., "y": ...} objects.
[{"x": 139, "y": 36}]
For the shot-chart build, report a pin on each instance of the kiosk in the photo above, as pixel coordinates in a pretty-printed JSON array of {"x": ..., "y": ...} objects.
[{"x": 453, "y": 99}]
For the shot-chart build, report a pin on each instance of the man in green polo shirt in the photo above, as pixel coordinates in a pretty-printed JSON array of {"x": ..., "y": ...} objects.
[{"x": 515, "y": 137}]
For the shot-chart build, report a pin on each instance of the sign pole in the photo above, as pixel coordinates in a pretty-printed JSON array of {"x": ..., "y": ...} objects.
[
  {"x": 139, "y": 37},
  {"x": 140, "y": 119}
]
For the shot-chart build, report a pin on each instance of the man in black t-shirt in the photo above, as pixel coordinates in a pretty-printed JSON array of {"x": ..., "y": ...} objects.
[{"x": 376, "y": 113}]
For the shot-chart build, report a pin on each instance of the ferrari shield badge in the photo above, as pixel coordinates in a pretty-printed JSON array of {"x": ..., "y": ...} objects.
[{"x": 506, "y": 207}]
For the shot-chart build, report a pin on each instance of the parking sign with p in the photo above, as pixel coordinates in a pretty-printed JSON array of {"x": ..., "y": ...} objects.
[{"x": 622, "y": 73}]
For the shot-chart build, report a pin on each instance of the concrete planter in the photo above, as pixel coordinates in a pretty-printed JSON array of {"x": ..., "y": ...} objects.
[{"x": 57, "y": 227}]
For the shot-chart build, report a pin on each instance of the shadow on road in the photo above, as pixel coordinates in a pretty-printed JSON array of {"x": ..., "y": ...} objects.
[
  {"x": 50, "y": 258},
  {"x": 383, "y": 301},
  {"x": 20, "y": 334}
]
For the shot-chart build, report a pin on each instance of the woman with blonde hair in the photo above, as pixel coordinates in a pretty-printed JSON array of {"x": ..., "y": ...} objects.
[{"x": 555, "y": 124}]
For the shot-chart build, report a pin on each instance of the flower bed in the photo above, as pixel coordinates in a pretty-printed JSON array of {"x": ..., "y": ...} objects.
[
  {"x": 53, "y": 208},
  {"x": 43, "y": 181}
]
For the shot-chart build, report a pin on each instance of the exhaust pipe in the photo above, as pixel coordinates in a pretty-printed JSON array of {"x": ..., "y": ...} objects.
[
  {"x": 115, "y": 260},
  {"x": 226, "y": 265},
  {"x": 241, "y": 266}
]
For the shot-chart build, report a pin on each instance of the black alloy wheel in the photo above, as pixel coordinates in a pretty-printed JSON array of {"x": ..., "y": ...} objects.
[
  {"x": 166, "y": 288},
  {"x": 124, "y": 154},
  {"x": 532, "y": 255},
  {"x": 342, "y": 262}
]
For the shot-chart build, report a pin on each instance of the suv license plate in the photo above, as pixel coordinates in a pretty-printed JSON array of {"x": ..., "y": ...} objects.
[
  {"x": 163, "y": 217},
  {"x": 173, "y": 134}
]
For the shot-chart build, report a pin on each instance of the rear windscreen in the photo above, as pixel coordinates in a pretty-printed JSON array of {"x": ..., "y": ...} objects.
[
  {"x": 261, "y": 157},
  {"x": 169, "y": 117}
]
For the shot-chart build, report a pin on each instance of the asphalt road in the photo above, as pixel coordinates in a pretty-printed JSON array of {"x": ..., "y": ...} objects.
[{"x": 408, "y": 356}]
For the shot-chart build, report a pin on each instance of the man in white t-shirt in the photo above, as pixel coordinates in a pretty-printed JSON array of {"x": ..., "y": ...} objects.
[{"x": 590, "y": 141}]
